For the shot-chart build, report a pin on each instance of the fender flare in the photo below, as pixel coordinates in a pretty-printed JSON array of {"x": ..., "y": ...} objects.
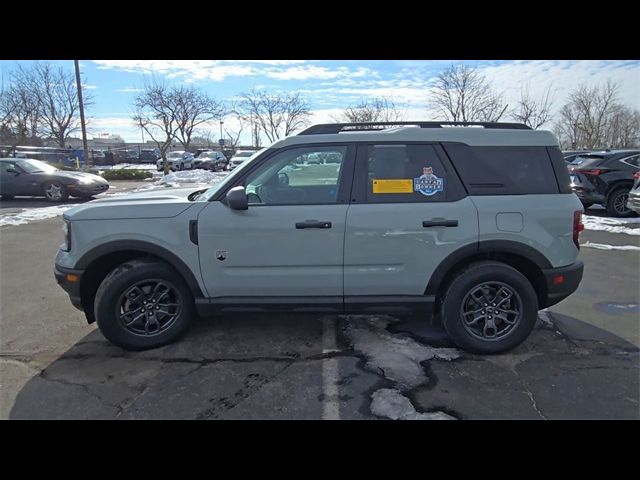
[
  {"x": 144, "y": 248},
  {"x": 488, "y": 246}
]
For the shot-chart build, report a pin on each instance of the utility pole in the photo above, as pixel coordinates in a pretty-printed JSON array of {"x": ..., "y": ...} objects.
[{"x": 81, "y": 105}]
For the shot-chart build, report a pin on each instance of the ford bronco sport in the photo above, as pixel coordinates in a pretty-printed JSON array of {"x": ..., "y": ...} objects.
[{"x": 476, "y": 222}]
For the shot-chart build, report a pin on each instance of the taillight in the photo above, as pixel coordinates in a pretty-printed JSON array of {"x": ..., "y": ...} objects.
[
  {"x": 594, "y": 171},
  {"x": 578, "y": 227}
]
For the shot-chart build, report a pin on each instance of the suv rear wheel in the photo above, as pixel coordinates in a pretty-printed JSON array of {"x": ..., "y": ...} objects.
[
  {"x": 617, "y": 203},
  {"x": 489, "y": 307},
  {"x": 143, "y": 304}
]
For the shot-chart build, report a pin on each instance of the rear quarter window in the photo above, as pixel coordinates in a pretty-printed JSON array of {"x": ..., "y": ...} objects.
[{"x": 520, "y": 170}]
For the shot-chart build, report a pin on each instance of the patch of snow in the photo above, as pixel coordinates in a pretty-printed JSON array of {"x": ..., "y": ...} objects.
[
  {"x": 29, "y": 215},
  {"x": 390, "y": 403},
  {"x": 612, "y": 225},
  {"x": 396, "y": 356},
  {"x": 193, "y": 176},
  {"x": 602, "y": 246}
]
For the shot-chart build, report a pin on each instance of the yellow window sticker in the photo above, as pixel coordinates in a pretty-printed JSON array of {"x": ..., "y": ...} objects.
[{"x": 393, "y": 185}]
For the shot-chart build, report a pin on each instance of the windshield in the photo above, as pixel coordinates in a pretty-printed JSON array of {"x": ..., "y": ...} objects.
[
  {"x": 35, "y": 166},
  {"x": 230, "y": 178},
  {"x": 244, "y": 154},
  {"x": 175, "y": 154}
]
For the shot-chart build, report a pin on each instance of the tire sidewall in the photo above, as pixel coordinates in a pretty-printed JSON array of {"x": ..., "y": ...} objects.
[
  {"x": 116, "y": 283},
  {"x": 480, "y": 273},
  {"x": 611, "y": 201}
]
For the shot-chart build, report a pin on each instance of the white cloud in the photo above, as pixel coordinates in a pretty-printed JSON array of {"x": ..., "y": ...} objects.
[
  {"x": 192, "y": 70},
  {"x": 563, "y": 76},
  {"x": 319, "y": 73},
  {"x": 129, "y": 90}
]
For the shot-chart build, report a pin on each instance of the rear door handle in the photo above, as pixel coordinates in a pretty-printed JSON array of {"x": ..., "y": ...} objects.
[
  {"x": 437, "y": 222},
  {"x": 313, "y": 224}
]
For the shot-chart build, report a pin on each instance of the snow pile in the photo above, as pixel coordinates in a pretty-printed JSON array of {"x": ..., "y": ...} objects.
[
  {"x": 602, "y": 246},
  {"x": 193, "y": 176},
  {"x": 29, "y": 215},
  {"x": 390, "y": 403},
  {"x": 612, "y": 225},
  {"x": 396, "y": 356},
  {"x": 127, "y": 166}
]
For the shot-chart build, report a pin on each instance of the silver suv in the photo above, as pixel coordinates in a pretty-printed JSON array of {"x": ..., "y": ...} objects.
[
  {"x": 474, "y": 222},
  {"x": 177, "y": 160}
]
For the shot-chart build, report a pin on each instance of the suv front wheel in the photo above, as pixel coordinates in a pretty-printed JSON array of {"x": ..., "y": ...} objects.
[
  {"x": 617, "y": 203},
  {"x": 489, "y": 307},
  {"x": 143, "y": 304}
]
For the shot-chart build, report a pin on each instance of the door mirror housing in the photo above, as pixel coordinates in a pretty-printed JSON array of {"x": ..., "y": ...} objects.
[
  {"x": 237, "y": 199},
  {"x": 11, "y": 170}
]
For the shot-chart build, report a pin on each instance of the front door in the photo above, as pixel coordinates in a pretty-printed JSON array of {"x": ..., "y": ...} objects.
[{"x": 290, "y": 241}]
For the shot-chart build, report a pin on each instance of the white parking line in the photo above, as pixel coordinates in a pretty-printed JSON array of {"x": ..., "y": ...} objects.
[{"x": 330, "y": 405}]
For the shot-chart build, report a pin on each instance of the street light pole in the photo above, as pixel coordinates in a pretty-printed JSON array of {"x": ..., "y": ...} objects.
[
  {"x": 221, "y": 137},
  {"x": 81, "y": 105}
]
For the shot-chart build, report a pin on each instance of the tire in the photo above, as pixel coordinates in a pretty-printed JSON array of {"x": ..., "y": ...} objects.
[
  {"x": 459, "y": 298},
  {"x": 7, "y": 197},
  {"x": 110, "y": 302},
  {"x": 181, "y": 167},
  {"x": 55, "y": 191},
  {"x": 617, "y": 203}
]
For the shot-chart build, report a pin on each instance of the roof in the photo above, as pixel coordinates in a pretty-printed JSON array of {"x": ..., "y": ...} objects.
[{"x": 490, "y": 135}]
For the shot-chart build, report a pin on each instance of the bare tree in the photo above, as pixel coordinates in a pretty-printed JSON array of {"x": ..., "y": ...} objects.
[
  {"x": 193, "y": 108},
  {"x": 52, "y": 92},
  {"x": 234, "y": 135},
  {"x": 20, "y": 116},
  {"x": 276, "y": 115},
  {"x": 594, "y": 118},
  {"x": 461, "y": 94},
  {"x": 156, "y": 112},
  {"x": 372, "y": 110},
  {"x": 531, "y": 112}
]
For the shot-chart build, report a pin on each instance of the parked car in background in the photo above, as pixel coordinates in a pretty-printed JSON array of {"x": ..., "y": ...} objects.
[
  {"x": 240, "y": 157},
  {"x": 98, "y": 157},
  {"x": 149, "y": 155},
  {"x": 605, "y": 178},
  {"x": 211, "y": 160},
  {"x": 634, "y": 195},
  {"x": 178, "y": 160},
  {"x": 28, "y": 177}
]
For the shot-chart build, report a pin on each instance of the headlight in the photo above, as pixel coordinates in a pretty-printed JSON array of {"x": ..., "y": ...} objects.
[
  {"x": 85, "y": 181},
  {"x": 66, "y": 230}
]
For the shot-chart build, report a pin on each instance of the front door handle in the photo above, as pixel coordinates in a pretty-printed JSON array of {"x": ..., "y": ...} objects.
[
  {"x": 439, "y": 222},
  {"x": 313, "y": 224}
]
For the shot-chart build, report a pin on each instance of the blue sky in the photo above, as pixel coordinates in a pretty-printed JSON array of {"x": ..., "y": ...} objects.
[{"x": 330, "y": 86}]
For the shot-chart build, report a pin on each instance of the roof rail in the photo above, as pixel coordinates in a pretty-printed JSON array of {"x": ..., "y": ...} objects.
[{"x": 328, "y": 128}]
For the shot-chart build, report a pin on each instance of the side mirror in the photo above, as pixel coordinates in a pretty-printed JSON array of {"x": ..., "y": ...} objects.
[
  {"x": 11, "y": 170},
  {"x": 237, "y": 199}
]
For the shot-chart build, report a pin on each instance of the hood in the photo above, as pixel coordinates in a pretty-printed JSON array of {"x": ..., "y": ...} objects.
[
  {"x": 80, "y": 175},
  {"x": 162, "y": 203}
]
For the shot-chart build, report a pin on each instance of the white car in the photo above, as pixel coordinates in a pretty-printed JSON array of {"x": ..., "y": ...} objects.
[
  {"x": 178, "y": 160},
  {"x": 240, "y": 157}
]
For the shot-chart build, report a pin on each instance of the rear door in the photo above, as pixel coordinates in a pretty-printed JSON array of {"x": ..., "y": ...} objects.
[{"x": 408, "y": 212}]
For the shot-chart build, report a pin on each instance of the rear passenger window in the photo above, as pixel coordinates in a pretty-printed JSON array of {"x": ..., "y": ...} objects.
[
  {"x": 503, "y": 170},
  {"x": 407, "y": 173}
]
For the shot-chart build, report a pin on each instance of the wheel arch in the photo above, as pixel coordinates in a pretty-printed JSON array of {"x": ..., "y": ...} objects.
[
  {"x": 100, "y": 261},
  {"x": 527, "y": 260}
]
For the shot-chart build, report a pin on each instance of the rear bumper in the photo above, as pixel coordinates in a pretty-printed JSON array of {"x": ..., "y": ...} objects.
[
  {"x": 72, "y": 288},
  {"x": 588, "y": 195},
  {"x": 559, "y": 290}
]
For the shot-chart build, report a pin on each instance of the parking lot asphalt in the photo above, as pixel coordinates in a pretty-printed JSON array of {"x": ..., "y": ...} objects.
[{"x": 581, "y": 361}]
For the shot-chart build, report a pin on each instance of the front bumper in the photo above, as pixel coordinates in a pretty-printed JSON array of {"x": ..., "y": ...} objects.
[
  {"x": 72, "y": 288},
  {"x": 558, "y": 291},
  {"x": 81, "y": 190}
]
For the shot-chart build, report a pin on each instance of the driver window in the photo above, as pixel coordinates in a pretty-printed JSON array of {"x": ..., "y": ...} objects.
[{"x": 298, "y": 176}]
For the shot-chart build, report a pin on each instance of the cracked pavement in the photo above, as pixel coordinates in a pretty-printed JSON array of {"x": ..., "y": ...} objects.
[{"x": 55, "y": 366}]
